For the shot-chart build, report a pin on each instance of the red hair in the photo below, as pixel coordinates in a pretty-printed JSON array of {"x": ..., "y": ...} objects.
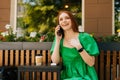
[{"x": 74, "y": 22}]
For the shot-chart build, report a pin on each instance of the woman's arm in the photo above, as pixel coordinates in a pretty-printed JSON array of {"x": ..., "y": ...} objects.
[
  {"x": 56, "y": 55},
  {"x": 90, "y": 60}
]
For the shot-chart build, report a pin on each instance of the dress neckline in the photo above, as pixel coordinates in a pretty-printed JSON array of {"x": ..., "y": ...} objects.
[{"x": 70, "y": 47}]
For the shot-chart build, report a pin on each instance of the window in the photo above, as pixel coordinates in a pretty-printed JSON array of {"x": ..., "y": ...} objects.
[
  {"x": 40, "y": 15},
  {"x": 24, "y": 5}
]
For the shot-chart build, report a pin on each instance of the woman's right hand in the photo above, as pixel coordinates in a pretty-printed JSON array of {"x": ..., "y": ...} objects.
[{"x": 58, "y": 37}]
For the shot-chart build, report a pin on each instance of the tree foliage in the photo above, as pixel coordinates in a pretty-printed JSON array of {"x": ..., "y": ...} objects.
[{"x": 40, "y": 16}]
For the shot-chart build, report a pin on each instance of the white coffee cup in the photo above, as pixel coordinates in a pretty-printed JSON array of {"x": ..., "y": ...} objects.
[{"x": 38, "y": 60}]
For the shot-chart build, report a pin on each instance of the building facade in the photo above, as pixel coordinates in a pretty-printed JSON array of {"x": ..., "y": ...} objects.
[{"x": 98, "y": 16}]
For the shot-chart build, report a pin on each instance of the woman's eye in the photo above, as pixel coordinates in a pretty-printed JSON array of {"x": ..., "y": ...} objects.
[
  {"x": 67, "y": 17},
  {"x": 60, "y": 19}
]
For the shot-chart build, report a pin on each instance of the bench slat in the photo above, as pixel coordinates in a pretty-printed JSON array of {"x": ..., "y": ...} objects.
[
  {"x": 49, "y": 60},
  {"x": 6, "y": 58},
  {"x": 54, "y": 76},
  {"x": 27, "y": 57},
  {"x": 102, "y": 65},
  {"x": 11, "y": 57},
  {"x": 17, "y": 57},
  {"x": 96, "y": 64},
  {"x": 44, "y": 61},
  {"x": 33, "y": 57},
  {"x": 1, "y": 57},
  {"x": 108, "y": 66},
  {"x": 114, "y": 69},
  {"x": 22, "y": 57}
]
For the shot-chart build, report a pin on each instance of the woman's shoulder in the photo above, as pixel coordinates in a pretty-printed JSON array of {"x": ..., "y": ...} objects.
[{"x": 84, "y": 34}]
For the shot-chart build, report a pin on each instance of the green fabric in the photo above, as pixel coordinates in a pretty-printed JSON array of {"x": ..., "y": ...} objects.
[{"x": 74, "y": 68}]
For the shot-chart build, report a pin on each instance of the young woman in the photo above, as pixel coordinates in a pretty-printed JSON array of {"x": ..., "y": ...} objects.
[{"x": 78, "y": 50}]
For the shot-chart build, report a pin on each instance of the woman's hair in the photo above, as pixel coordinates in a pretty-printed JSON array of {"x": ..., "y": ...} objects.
[{"x": 74, "y": 22}]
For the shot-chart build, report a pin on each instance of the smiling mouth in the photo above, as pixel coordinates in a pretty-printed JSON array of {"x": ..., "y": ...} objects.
[{"x": 65, "y": 24}]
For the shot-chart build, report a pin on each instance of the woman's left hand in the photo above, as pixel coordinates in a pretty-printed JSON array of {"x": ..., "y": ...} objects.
[{"x": 75, "y": 43}]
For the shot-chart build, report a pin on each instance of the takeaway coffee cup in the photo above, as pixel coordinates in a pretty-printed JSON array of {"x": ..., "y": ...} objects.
[{"x": 39, "y": 59}]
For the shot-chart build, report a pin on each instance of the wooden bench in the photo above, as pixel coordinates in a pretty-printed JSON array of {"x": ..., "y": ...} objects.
[
  {"x": 108, "y": 62},
  {"x": 19, "y": 54},
  {"x": 23, "y": 53}
]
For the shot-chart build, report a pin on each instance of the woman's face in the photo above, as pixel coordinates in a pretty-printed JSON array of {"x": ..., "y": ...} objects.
[{"x": 65, "y": 21}]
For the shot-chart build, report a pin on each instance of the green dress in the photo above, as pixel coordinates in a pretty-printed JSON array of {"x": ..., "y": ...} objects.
[{"x": 74, "y": 68}]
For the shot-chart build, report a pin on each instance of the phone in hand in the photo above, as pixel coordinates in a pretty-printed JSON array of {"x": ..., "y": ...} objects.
[{"x": 60, "y": 32}]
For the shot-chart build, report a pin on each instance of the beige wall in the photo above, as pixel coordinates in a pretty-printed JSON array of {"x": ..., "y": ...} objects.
[
  {"x": 98, "y": 17},
  {"x": 4, "y": 13}
]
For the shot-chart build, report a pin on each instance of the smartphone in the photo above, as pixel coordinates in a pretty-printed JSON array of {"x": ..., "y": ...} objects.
[{"x": 60, "y": 32}]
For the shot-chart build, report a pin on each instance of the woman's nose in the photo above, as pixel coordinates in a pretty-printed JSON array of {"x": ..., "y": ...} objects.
[{"x": 64, "y": 20}]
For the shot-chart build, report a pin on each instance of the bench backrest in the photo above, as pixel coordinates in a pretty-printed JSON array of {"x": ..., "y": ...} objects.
[{"x": 15, "y": 54}]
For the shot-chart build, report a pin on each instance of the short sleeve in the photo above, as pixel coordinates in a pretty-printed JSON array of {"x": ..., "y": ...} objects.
[{"x": 89, "y": 44}]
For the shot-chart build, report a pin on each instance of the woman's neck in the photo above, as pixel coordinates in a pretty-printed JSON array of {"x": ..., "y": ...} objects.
[{"x": 70, "y": 34}]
